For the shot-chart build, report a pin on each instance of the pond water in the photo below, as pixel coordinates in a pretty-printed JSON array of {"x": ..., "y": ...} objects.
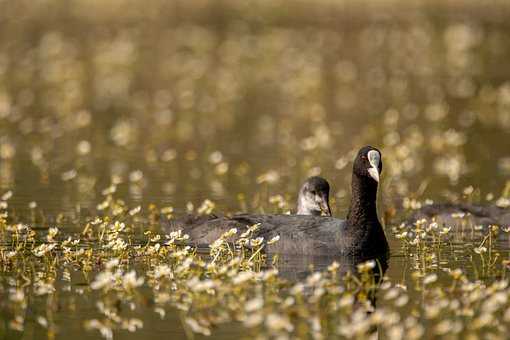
[{"x": 225, "y": 106}]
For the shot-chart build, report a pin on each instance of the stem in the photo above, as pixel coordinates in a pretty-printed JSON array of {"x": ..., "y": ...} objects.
[{"x": 255, "y": 253}]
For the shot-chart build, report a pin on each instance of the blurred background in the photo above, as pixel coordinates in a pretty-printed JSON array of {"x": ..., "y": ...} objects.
[{"x": 239, "y": 101}]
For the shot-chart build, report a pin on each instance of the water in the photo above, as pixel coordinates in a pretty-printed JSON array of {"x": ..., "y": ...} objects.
[{"x": 181, "y": 102}]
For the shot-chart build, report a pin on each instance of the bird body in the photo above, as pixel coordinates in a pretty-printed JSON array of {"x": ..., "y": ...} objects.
[
  {"x": 450, "y": 214},
  {"x": 304, "y": 235}
]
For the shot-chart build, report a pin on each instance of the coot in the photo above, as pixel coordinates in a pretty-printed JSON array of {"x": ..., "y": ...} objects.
[
  {"x": 360, "y": 234},
  {"x": 313, "y": 198},
  {"x": 452, "y": 214}
]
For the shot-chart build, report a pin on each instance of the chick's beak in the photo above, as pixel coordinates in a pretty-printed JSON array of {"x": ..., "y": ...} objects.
[{"x": 324, "y": 205}]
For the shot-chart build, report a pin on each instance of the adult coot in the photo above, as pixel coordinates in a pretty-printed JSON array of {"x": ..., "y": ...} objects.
[
  {"x": 453, "y": 214},
  {"x": 359, "y": 235}
]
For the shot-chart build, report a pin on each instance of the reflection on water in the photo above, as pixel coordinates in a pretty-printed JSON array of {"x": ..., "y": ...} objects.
[
  {"x": 176, "y": 103},
  {"x": 297, "y": 268}
]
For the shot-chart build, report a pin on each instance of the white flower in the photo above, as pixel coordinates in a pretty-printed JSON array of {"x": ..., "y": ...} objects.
[
  {"x": 346, "y": 301},
  {"x": 270, "y": 177},
  {"x": 401, "y": 235},
  {"x": 118, "y": 226},
  {"x": 256, "y": 242},
  {"x": 106, "y": 331},
  {"x": 480, "y": 250},
  {"x": 229, "y": 233},
  {"x": 274, "y": 240},
  {"x": 132, "y": 324},
  {"x": 110, "y": 190},
  {"x": 445, "y": 230},
  {"x": 254, "y": 304},
  {"x": 20, "y": 227},
  {"x": 392, "y": 294},
  {"x": 503, "y": 202},
  {"x": 136, "y": 176},
  {"x": 43, "y": 249},
  {"x": 162, "y": 270},
  {"x": 130, "y": 281},
  {"x": 333, "y": 266},
  {"x": 197, "y": 328},
  {"x": 167, "y": 210},
  {"x": 456, "y": 273},
  {"x": 16, "y": 295},
  {"x": 42, "y": 321},
  {"x": 366, "y": 266},
  {"x": 314, "y": 278},
  {"x": 135, "y": 211},
  {"x": 68, "y": 175},
  {"x": 206, "y": 207},
  {"x": 298, "y": 288},
  {"x": 242, "y": 277},
  {"x": 254, "y": 320},
  {"x": 459, "y": 215},
  {"x": 217, "y": 244},
  {"x": 43, "y": 288},
  {"x": 277, "y": 322},
  {"x": 112, "y": 263},
  {"x": 52, "y": 232},
  {"x": 103, "y": 280},
  {"x": 430, "y": 279},
  {"x": 7, "y": 195}
]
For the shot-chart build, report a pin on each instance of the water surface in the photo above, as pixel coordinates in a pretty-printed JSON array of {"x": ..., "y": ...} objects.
[{"x": 180, "y": 102}]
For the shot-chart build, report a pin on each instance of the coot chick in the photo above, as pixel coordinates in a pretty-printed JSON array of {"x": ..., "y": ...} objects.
[
  {"x": 359, "y": 235},
  {"x": 313, "y": 198},
  {"x": 452, "y": 214}
]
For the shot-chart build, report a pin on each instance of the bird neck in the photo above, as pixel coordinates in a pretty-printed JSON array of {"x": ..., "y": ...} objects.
[{"x": 363, "y": 209}]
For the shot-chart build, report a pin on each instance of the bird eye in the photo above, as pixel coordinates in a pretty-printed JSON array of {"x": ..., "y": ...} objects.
[{"x": 313, "y": 192}]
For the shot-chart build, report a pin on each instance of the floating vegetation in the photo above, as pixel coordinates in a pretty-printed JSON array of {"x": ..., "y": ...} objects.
[{"x": 123, "y": 274}]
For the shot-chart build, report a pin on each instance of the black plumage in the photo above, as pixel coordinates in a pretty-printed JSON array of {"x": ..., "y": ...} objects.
[{"x": 451, "y": 214}]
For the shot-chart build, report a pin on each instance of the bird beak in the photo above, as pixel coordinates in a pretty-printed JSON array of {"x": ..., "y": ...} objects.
[
  {"x": 374, "y": 173},
  {"x": 324, "y": 205},
  {"x": 374, "y": 157}
]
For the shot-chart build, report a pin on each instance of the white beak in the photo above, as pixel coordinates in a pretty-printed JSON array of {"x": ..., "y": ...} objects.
[
  {"x": 374, "y": 173},
  {"x": 374, "y": 158}
]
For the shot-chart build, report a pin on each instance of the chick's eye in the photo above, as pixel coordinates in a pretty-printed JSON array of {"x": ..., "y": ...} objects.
[{"x": 313, "y": 192}]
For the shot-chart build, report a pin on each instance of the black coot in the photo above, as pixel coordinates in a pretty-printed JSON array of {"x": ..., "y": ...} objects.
[{"x": 452, "y": 214}]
